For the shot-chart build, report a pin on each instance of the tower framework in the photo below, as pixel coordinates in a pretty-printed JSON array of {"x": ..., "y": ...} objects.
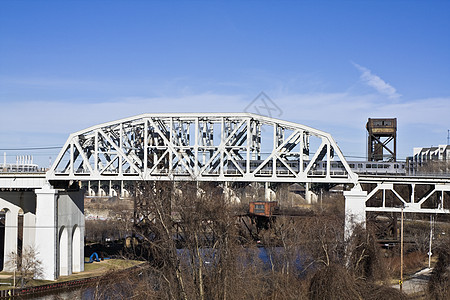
[{"x": 382, "y": 139}]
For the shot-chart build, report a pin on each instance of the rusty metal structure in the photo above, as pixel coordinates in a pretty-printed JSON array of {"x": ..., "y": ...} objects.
[
  {"x": 382, "y": 139},
  {"x": 262, "y": 208}
]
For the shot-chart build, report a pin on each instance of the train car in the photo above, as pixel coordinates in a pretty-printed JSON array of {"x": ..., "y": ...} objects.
[
  {"x": 319, "y": 168},
  {"x": 378, "y": 168}
]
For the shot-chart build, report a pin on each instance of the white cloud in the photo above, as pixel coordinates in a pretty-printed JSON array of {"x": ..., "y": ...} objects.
[
  {"x": 344, "y": 115},
  {"x": 377, "y": 83}
]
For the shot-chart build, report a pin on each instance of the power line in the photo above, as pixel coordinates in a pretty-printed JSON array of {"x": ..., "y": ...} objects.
[{"x": 30, "y": 148}]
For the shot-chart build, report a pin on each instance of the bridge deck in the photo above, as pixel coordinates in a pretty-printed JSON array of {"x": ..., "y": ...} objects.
[
  {"x": 418, "y": 179},
  {"x": 22, "y": 180}
]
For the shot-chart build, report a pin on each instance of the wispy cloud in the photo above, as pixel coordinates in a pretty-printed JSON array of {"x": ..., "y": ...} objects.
[
  {"x": 37, "y": 123},
  {"x": 376, "y": 82}
]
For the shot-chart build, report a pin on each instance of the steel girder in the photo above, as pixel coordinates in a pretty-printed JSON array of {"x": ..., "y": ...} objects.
[
  {"x": 201, "y": 146},
  {"x": 435, "y": 200}
]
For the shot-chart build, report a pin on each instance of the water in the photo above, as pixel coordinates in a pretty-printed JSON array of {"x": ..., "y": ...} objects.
[{"x": 81, "y": 293}]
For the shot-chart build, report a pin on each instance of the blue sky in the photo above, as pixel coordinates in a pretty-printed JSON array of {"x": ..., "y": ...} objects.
[{"x": 68, "y": 65}]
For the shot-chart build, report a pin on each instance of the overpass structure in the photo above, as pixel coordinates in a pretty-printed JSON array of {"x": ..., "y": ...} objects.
[{"x": 235, "y": 147}]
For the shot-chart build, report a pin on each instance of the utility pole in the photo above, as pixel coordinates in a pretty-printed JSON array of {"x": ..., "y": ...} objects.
[
  {"x": 401, "y": 252},
  {"x": 431, "y": 240}
]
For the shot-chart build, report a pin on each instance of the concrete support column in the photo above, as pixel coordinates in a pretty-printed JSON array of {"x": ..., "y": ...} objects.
[
  {"x": 226, "y": 191},
  {"x": 10, "y": 236},
  {"x": 307, "y": 193},
  {"x": 65, "y": 263},
  {"x": 269, "y": 195},
  {"x": 46, "y": 231},
  {"x": 355, "y": 209},
  {"x": 310, "y": 197},
  {"x": 77, "y": 251},
  {"x": 29, "y": 232}
]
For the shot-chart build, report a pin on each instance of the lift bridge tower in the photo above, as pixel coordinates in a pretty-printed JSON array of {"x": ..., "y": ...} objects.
[{"x": 382, "y": 139}]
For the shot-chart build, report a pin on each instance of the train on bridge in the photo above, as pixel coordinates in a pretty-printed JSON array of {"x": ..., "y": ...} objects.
[{"x": 319, "y": 168}]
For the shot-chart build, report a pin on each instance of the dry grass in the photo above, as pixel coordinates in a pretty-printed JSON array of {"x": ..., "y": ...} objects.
[
  {"x": 412, "y": 262},
  {"x": 90, "y": 270}
]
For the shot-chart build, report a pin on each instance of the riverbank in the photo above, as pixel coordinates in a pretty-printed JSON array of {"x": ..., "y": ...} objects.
[{"x": 93, "y": 271}]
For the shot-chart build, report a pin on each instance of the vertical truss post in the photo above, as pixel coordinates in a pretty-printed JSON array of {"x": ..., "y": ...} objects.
[
  {"x": 275, "y": 146},
  {"x": 145, "y": 148},
  {"x": 222, "y": 139},
  {"x": 249, "y": 137},
  {"x": 196, "y": 167},
  {"x": 203, "y": 135},
  {"x": 171, "y": 141},
  {"x": 121, "y": 147},
  {"x": 71, "y": 158},
  {"x": 96, "y": 151},
  {"x": 302, "y": 137},
  {"x": 328, "y": 159},
  {"x": 258, "y": 139}
]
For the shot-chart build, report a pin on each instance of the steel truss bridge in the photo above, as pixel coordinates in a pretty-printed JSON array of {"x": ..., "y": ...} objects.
[
  {"x": 236, "y": 147},
  {"x": 224, "y": 147},
  {"x": 204, "y": 147}
]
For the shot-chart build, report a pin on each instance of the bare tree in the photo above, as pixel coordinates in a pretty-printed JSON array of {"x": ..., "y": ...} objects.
[
  {"x": 25, "y": 264},
  {"x": 189, "y": 233}
]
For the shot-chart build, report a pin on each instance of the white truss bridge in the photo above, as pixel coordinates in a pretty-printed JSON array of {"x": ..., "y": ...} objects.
[
  {"x": 223, "y": 147},
  {"x": 202, "y": 147}
]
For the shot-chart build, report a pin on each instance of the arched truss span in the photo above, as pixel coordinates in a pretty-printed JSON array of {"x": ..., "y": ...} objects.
[{"x": 205, "y": 147}]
